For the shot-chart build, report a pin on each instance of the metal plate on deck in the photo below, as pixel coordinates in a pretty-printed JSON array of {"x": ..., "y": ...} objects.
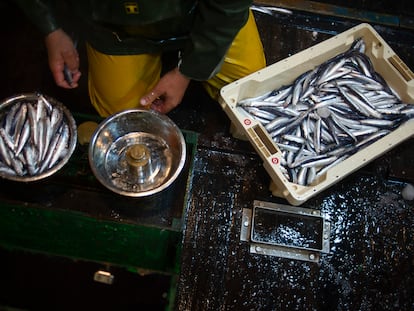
[{"x": 285, "y": 231}]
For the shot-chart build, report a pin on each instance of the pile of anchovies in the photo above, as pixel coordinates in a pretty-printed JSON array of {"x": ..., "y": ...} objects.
[
  {"x": 328, "y": 113},
  {"x": 34, "y": 136}
]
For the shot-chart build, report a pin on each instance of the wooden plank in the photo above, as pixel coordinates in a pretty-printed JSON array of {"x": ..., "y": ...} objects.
[{"x": 334, "y": 10}]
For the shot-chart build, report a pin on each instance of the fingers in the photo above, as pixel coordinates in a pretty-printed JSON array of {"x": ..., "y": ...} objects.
[
  {"x": 64, "y": 75},
  {"x": 71, "y": 73},
  {"x": 167, "y": 93},
  {"x": 66, "y": 78},
  {"x": 71, "y": 76},
  {"x": 160, "y": 106},
  {"x": 150, "y": 98},
  {"x": 160, "y": 103}
]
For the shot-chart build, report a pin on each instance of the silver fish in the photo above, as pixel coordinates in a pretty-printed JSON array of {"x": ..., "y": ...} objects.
[
  {"x": 5, "y": 152},
  {"x": 23, "y": 137},
  {"x": 7, "y": 139},
  {"x": 61, "y": 147}
]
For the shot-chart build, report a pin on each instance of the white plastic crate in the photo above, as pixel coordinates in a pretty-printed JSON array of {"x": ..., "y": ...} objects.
[{"x": 397, "y": 75}]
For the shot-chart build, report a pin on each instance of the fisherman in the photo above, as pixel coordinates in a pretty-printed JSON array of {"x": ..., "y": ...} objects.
[{"x": 217, "y": 43}]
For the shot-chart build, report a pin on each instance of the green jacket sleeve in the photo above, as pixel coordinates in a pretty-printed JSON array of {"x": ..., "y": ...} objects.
[
  {"x": 216, "y": 24},
  {"x": 41, "y": 13}
]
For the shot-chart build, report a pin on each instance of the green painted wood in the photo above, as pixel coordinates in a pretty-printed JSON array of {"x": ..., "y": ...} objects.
[{"x": 74, "y": 235}]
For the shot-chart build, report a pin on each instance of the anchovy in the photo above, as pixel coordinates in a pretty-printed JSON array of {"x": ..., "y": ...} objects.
[
  {"x": 10, "y": 118},
  {"x": 260, "y": 113},
  {"x": 6, "y": 170},
  {"x": 31, "y": 159},
  {"x": 23, "y": 137},
  {"x": 302, "y": 175},
  {"x": 5, "y": 153},
  {"x": 17, "y": 166},
  {"x": 31, "y": 113},
  {"x": 277, "y": 123},
  {"x": 280, "y": 95},
  {"x": 56, "y": 118},
  {"x": 40, "y": 137},
  {"x": 61, "y": 147},
  {"x": 20, "y": 120},
  {"x": 249, "y": 99},
  {"x": 7, "y": 139}
]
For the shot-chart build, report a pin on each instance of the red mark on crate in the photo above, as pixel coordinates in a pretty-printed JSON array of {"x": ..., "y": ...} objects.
[
  {"x": 275, "y": 160},
  {"x": 247, "y": 121}
]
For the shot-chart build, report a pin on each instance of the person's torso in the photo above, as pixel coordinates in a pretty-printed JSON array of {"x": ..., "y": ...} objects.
[{"x": 158, "y": 19}]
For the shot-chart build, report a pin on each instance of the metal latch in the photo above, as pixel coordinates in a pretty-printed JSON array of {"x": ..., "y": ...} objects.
[
  {"x": 103, "y": 277},
  {"x": 285, "y": 231}
]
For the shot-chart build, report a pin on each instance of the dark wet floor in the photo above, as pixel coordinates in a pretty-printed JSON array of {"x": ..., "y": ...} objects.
[{"x": 370, "y": 265}]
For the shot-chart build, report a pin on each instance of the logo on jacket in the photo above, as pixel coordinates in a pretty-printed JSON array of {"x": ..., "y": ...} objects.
[{"x": 131, "y": 7}]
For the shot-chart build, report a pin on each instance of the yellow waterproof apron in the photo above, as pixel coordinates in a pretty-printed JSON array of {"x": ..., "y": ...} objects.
[{"x": 118, "y": 82}]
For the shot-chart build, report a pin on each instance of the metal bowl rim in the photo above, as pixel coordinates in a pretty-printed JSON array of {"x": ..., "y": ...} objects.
[{"x": 150, "y": 192}]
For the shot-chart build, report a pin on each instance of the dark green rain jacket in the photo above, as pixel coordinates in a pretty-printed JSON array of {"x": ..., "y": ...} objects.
[{"x": 202, "y": 30}]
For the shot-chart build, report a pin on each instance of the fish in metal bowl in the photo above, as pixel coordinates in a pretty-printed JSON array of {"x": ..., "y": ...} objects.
[{"x": 37, "y": 137}]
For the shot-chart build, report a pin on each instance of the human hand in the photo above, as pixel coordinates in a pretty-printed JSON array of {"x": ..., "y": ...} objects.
[
  {"x": 62, "y": 51},
  {"x": 167, "y": 93}
]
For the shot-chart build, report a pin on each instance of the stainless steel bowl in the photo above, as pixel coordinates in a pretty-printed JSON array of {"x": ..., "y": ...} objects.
[
  {"x": 137, "y": 153},
  {"x": 37, "y": 137}
]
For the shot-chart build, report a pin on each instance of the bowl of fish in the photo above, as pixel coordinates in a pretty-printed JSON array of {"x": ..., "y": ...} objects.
[
  {"x": 37, "y": 137},
  {"x": 137, "y": 153}
]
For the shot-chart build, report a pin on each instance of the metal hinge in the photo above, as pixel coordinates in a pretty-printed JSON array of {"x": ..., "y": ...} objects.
[{"x": 285, "y": 231}]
